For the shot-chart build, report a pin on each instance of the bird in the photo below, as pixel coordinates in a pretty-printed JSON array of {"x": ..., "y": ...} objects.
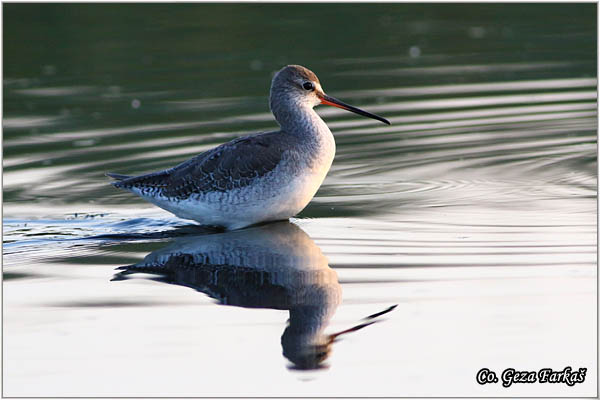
[{"x": 258, "y": 178}]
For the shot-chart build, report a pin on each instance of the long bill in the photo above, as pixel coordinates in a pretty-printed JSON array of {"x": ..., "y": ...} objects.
[{"x": 332, "y": 101}]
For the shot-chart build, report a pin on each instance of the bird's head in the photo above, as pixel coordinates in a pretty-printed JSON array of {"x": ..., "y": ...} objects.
[{"x": 297, "y": 86}]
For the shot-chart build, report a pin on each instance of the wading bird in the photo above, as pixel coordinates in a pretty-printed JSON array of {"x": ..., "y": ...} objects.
[{"x": 263, "y": 177}]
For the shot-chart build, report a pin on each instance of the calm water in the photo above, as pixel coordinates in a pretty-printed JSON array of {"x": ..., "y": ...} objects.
[{"x": 475, "y": 212}]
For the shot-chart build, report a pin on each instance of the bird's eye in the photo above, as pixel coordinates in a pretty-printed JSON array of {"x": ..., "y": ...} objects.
[{"x": 308, "y": 86}]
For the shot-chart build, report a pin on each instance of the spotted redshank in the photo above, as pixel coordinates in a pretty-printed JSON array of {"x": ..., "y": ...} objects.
[{"x": 263, "y": 177}]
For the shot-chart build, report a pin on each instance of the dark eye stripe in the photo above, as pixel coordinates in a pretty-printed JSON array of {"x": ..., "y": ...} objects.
[{"x": 308, "y": 86}]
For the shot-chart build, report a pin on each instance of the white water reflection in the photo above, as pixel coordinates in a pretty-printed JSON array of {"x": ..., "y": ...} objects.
[
  {"x": 463, "y": 69},
  {"x": 29, "y": 122},
  {"x": 436, "y": 90},
  {"x": 56, "y": 91}
]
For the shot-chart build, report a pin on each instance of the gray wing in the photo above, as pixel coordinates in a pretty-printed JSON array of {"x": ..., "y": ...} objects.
[{"x": 231, "y": 165}]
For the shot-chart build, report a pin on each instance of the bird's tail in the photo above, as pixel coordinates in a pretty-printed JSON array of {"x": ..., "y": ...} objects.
[{"x": 118, "y": 177}]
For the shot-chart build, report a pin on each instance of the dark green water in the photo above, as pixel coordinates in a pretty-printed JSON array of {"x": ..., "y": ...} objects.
[{"x": 475, "y": 211}]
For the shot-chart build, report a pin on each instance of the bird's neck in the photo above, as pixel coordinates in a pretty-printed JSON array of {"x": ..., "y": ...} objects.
[{"x": 303, "y": 122}]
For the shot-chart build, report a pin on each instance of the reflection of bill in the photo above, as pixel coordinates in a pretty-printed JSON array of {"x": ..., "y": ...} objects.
[{"x": 271, "y": 266}]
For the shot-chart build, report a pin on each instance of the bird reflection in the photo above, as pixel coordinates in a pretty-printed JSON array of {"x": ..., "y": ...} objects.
[{"x": 274, "y": 266}]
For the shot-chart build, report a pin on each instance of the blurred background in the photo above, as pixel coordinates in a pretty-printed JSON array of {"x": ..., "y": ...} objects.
[{"x": 475, "y": 210}]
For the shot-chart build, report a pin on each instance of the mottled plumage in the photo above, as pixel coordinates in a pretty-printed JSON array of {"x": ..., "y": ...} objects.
[{"x": 232, "y": 165}]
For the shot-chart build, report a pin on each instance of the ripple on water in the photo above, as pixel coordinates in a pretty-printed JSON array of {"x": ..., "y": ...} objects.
[{"x": 468, "y": 149}]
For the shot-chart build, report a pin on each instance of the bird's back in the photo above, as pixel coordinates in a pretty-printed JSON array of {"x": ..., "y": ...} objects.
[{"x": 232, "y": 165}]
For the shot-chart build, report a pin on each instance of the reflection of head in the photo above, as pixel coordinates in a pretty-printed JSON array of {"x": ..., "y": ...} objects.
[
  {"x": 304, "y": 350},
  {"x": 303, "y": 341}
]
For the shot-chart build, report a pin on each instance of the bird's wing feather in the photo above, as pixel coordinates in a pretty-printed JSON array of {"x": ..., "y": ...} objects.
[{"x": 231, "y": 165}]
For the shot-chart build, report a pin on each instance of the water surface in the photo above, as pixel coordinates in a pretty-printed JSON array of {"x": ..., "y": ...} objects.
[{"x": 475, "y": 211}]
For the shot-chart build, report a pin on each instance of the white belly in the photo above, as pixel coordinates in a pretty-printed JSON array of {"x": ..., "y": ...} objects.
[{"x": 279, "y": 195}]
